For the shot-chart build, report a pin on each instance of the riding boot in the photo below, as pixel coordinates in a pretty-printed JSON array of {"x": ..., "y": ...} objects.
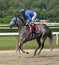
[
  {"x": 32, "y": 34},
  {"x": 34, "y": 30}
]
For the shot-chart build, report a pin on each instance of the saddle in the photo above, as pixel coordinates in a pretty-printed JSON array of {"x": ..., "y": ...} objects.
[{"x": 34, "y": 28}]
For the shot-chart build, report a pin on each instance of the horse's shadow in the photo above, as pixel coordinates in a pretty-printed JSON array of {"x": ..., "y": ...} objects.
[
  {"x": 43, "y": 56},
  {"x": 48, "y": 56}
]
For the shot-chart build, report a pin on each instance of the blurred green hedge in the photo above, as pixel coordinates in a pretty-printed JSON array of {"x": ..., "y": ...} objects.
[
  {"x": 5, "y": 20},
  {"x": 54, "y": 20}
]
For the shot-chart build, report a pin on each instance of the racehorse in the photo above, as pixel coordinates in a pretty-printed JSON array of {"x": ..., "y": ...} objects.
[{"x": 24, "y": 34}]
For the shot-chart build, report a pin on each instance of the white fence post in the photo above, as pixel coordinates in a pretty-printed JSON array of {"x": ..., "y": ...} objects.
[
  {"x": 17, "y": 41},
  {"x": 56, "y": 33},
  {"x": 56, "y": 39}
]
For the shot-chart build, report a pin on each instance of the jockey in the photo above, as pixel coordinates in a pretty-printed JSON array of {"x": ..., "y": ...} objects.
[{"x": 29, "y": 16}]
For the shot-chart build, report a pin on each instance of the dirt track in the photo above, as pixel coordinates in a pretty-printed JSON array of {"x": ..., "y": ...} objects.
[{"x": 45, "y": 58}]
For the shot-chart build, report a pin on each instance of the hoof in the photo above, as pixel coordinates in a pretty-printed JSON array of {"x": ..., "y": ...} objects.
[
  {"x": 18, "y": 55},
  {"x": 27, "y": 52}
]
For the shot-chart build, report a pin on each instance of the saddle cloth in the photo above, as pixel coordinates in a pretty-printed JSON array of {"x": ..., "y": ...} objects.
[{"x": 36, "y": 26}]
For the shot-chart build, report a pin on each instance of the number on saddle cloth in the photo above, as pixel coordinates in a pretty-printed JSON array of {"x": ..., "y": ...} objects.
[{"x": 38, "y": 28}]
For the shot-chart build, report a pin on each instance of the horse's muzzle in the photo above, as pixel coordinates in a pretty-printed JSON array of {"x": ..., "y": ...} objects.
[{"x": 10, "y": 26}]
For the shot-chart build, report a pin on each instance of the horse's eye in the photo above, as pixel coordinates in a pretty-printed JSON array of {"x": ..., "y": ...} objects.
[{"x": 14, "y": 20}]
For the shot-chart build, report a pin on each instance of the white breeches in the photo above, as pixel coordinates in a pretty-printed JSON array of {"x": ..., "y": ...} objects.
[{"x": 34, "y": 17}]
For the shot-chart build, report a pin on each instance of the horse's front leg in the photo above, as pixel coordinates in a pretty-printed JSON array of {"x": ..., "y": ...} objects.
[
  {"x": 21, "y": 44},
  {"x": 20, "y": 47}
]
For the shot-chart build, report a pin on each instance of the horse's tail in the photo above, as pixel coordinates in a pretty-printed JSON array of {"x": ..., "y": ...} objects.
[{"x": 51, "y": 41}]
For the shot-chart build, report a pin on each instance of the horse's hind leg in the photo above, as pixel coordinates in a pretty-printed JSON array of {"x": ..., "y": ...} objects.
[
  {"x": 51, "y": 41},
  {"x": 42, "y": 44},
  {"x": 39, "y": 44}
]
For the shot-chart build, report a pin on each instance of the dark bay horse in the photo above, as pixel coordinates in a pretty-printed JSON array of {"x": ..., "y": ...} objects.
[{"x": 24, "y": 34}]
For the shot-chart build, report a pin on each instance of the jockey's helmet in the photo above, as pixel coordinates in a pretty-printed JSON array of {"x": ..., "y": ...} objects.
[{"x": 22, "y": 10}]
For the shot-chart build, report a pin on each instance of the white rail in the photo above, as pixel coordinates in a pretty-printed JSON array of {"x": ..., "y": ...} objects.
[
  {"x": 16, "y": 34},
  {"x": 48, "y": 23},
  {"x": 9, "y": 34}
]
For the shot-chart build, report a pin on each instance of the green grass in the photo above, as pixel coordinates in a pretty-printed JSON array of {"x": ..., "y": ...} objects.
[
  {"x": 33, "y": 44},
  {"x": 9, "y": 42}
]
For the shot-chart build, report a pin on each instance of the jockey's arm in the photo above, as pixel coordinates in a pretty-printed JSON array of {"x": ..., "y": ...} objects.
[{"x": 29, "y": 19}]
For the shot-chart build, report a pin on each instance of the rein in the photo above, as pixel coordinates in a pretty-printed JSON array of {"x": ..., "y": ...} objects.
[{"x": 21, "y": 21}]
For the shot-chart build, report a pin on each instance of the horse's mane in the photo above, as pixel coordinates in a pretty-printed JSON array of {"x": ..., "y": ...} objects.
[{"x": 21, "y": 19}]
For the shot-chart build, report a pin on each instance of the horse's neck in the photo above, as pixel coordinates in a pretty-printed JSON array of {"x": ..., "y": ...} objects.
[
  {"x": 20, "y": 27},
  {"x": 21, "y": 24},
  {"x": 20, "y": 21}
]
